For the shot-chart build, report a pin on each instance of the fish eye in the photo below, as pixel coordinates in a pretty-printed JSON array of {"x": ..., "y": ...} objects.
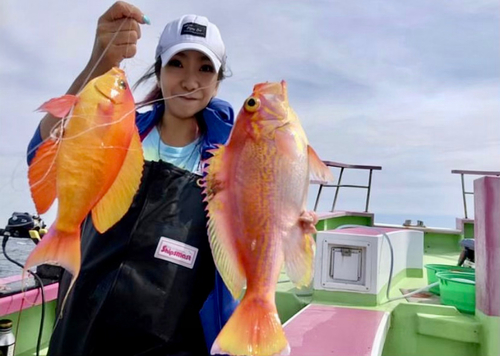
[
  {"x": 252, "y": 104},
  {"x": 122, "y": 84}
]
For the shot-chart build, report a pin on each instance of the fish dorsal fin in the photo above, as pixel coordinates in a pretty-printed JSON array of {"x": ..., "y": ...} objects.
[
  {"x": 220, "y": 232},
  {"x": 42, "y": 175},
  {"x": 319, "y": 171},
  {"x": 117, "y": 200},
  {"x": 59, "y": 107}
]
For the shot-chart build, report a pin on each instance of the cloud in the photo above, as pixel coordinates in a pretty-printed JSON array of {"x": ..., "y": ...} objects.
[{"x": 412, "y": 87}]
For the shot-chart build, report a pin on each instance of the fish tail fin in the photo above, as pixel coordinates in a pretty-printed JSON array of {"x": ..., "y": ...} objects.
[
  {"x": 61, "y": 248},
  {"x": 253, "y": 329}
]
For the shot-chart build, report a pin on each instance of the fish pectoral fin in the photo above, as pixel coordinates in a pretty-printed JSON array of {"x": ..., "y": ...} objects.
[
  {"x": 299, "y": 249},
  {"x": 106, "y": 110},
  {"x": 284, "y": 144},
  {"x": 319, "y": 171},
  {"x": 288, "y": 143},
  {"x": 220, "y": 235},
  {"x": 117, "y": 200},
  {"x": 42, "y": 175},
  {"x": 59, "y": 107},
  {"x": 308, "y": 221}
]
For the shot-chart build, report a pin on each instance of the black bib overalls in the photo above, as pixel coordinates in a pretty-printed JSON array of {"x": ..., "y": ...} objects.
[{"x": 143, "y": 282}]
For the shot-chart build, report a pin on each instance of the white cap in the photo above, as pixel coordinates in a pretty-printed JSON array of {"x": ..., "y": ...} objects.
[{"x": 191, "y": 32}]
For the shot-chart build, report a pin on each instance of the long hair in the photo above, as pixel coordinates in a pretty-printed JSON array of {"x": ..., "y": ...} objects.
[{"x": 155, "y": 94}]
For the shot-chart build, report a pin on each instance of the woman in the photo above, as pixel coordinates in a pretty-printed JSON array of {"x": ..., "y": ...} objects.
[{"x": 144, "y": 282}]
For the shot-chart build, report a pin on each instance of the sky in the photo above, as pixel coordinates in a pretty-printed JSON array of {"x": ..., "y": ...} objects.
[{"x": 411, "y": 86}]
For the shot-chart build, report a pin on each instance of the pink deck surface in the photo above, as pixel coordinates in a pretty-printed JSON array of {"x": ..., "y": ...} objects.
[
  {"x": 328, "y": 330},
  {"x": 19, "y": 301}
]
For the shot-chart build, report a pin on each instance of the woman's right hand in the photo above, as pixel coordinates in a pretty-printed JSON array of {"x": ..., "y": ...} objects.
[{"x": 116, "y": 37}]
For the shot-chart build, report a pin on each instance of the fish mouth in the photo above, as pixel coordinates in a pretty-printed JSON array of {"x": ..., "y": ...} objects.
[
  {"x": 271, "y": 88},
  {"x": 112, "y": 85}
]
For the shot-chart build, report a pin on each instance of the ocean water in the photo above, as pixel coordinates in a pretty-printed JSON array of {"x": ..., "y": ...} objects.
[
  {"x": 19, "y": 249},
  {"x": 442, "y": 221}
]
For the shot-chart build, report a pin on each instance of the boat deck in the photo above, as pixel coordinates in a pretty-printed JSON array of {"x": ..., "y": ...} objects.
[
  {"x": 321, "y": 330},
  {"x": 378, "y": 329},
  {"x": 406, "y": 283}
]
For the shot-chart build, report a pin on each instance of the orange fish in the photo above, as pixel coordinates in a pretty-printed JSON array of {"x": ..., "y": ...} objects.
[
  {"x": 256, "y": 189},
  {"x": 96, "y": 166}
]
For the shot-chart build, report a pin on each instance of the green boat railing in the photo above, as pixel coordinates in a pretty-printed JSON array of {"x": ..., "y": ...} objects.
[{"x": 338, "y": 185}]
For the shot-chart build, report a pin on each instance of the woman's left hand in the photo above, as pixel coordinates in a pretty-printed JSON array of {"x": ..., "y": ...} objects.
[{"x": 308, "y": 221}]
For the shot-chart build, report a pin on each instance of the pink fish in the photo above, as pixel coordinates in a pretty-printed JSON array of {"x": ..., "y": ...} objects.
[{"x": 256, "y": 189}]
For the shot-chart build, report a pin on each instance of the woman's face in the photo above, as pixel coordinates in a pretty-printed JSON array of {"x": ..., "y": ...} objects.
[{"x": 188, "y": 83}]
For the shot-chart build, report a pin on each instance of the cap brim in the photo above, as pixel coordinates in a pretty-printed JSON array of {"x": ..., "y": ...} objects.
[{"x": 169, "y": 53}]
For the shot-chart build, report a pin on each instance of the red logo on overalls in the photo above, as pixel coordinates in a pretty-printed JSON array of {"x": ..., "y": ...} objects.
[{"x": 167, "y": 250}]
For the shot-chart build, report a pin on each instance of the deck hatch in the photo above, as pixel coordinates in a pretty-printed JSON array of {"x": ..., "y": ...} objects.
[{"x": 346, "y": 264}]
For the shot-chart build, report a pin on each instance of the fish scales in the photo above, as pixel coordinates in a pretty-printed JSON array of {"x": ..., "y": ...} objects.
[
  {"x": 95, "y": 168},
  {"x": 256, "y": 192}
]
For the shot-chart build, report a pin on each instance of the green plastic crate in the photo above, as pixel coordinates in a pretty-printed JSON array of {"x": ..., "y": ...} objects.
[
  {"x": 432, "y": 269},
  {"x": 458, "y": 290}
]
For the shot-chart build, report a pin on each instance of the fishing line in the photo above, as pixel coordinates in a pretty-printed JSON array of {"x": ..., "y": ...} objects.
[
  {"x": 63, "y": 121},
  {"x": 126, "y": 48},
  {"x": 101, "y": 57},
  {"x": 62, "y": 138},
  {"x": 57, "y": 132},
  {"x": 11, "y": 179}
]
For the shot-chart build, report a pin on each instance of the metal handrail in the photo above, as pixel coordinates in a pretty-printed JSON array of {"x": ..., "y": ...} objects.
[
  {"x": 466, "y": 172},
  {"x": 343, "y": 166}
]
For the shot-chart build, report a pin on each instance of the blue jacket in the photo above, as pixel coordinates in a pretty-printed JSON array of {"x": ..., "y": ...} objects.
[{"x": 219, "y": 119}]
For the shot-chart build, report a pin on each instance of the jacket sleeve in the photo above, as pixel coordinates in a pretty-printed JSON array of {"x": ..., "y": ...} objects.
[
  {"x": 219, "y": 119},
  {"x": 36, "y": 140},
  {"x": 144, "y": 121}
]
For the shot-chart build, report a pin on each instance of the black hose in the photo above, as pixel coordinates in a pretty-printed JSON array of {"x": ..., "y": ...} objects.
[{"x": 40, "y": 283}]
